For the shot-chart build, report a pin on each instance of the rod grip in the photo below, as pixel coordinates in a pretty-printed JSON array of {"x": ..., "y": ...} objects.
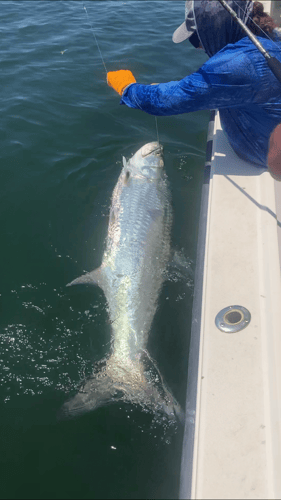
[{"x": 275, "y": 67}]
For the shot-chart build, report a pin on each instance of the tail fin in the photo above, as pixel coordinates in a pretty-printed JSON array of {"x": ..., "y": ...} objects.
[{"x": 128, "y": 381}]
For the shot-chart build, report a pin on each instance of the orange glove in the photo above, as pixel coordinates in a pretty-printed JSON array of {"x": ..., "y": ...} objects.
[{"x": 119, "y": 80}]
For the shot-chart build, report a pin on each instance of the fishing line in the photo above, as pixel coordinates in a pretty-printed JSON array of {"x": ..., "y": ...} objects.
[
  {"x": 93, "y": 31},
  {"x": 95, "y": 38},
  {"x": 156, "y": 124},
  {"x": 273, "y": 63},
  {"x": 266, "y": 34}
]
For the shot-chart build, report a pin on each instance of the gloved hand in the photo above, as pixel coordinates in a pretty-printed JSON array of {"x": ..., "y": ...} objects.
[{"x": 119, "y": 80}]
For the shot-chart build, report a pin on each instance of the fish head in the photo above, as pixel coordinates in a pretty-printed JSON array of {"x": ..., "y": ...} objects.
[{"x": 147, "y": 162}]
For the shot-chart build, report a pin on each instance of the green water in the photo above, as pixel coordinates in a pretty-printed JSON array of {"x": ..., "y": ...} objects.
[{"x": 63, "y": 135}]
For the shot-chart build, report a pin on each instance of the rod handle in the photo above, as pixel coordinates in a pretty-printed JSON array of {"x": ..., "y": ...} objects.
[{"x": 275, "y": 67}]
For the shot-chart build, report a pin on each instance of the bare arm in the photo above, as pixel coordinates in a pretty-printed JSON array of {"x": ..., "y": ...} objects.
[{"x": 274, "y": 153}]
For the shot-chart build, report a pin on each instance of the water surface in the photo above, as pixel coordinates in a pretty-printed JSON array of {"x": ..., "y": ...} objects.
[{"x": 63, "y": 135}]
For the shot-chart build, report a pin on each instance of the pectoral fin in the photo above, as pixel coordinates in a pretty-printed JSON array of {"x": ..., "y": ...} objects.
[
  {"x": 93, "y": 278},
  {"x": 180, "y": 266}
]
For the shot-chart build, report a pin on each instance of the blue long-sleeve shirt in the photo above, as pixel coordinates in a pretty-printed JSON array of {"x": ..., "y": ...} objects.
[{"x": 238, "y": 82}]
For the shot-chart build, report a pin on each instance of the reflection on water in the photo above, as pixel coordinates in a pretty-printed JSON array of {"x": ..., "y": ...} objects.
[
  {"x": 45, "y": 350},
  {"x": 57, "y": 343}
]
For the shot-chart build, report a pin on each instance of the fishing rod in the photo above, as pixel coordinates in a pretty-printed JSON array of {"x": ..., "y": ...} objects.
[{"x": 272, "y": 62}]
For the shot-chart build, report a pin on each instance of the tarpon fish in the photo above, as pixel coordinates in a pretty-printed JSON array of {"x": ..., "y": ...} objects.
[{"x": 131, "y": 275}]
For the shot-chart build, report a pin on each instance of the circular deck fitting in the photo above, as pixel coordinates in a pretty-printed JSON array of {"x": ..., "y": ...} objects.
[{"x": 232, "y": 319}]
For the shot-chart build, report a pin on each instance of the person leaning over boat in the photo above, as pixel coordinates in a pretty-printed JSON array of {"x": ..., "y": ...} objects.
[
  {"x": 274, "y": 153},
  {"x": 236, "y": 79}
]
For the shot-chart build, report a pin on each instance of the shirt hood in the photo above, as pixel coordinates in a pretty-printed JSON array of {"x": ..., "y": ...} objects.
[{"x": 215, "y": 27}]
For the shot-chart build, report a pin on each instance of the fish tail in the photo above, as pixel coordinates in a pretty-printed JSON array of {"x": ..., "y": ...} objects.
[{"x": 128, "y": 381}]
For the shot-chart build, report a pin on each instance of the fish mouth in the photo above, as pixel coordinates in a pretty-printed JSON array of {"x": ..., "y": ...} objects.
[
  {"x": 148, "y": 149},
  {"x": 159, "y": 165}
]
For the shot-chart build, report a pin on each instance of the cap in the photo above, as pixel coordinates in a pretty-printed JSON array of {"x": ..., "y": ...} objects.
[{"x": 188, "y": 27}]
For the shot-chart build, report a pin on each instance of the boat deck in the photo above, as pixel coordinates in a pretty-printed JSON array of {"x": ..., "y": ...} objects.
[
  {"x": 236, "y": 420},
  {"x": 232, "y": 439}
]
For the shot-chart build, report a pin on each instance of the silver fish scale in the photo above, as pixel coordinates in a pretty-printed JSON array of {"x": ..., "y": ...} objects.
[
  {"x": 131, "y": 276},
  {"x": 138, "y": 249}
]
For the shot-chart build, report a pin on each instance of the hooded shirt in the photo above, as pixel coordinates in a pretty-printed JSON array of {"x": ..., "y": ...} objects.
[{"x": 236, "y": 80}]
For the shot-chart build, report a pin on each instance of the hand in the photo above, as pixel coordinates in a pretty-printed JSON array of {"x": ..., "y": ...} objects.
[{"x": 119, "y": 80}]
